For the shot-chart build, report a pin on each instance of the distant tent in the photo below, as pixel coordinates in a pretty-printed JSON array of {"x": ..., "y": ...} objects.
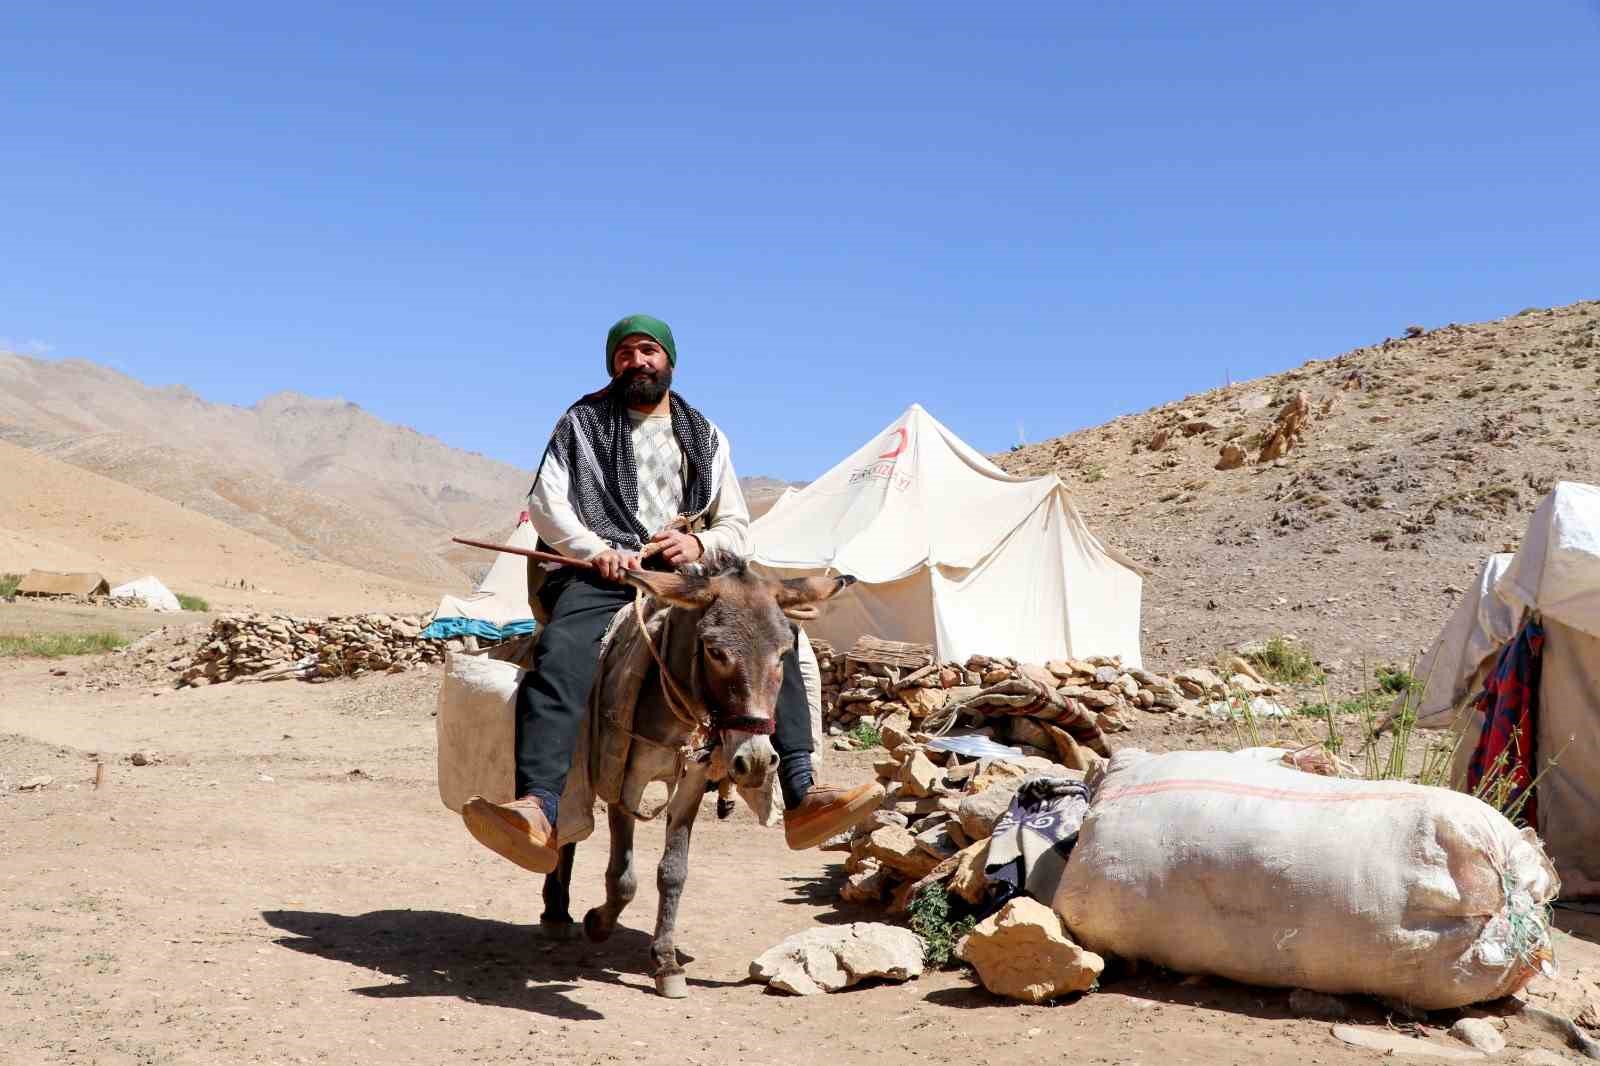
[
  {"x": 1554, "y": 578},
  {"x": 49, "y": 583},
  {"x": 149, "y": 591},
  {"x": 952, "y": 551},
  {"x": 498, "y": 609}
]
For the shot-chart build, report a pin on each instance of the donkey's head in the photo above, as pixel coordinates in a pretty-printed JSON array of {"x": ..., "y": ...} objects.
[{"x": 742, "y": 634}]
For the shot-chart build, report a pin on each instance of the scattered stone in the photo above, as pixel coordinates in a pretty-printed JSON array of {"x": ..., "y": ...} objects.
[
  {"x": 828, "y": 959},
  {"x": 897, "y": 849},
  {"x": 1479, "y": 1033},
  {"x": 1543, "y": 1057},
  {"x": 1393, "y": 1043},
  {"x": 1022, "y": 952},
  {"x": 145, "y": 758},
  {"x": 36, "y": 783},
  {"x": 1232, "y": 457},
  {"x": 919, "y": 774},
  {"x": 978, "y": 813}
]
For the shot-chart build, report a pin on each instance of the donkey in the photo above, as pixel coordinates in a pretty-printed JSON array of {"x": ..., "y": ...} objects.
[{"x": 725, "y": 681}]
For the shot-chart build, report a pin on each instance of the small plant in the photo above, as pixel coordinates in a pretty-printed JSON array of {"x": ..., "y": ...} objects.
[
  {"x": 1287, "y": 663},
  {"x": 8, "y": 585},
  {"x": 1394, "y": 680},
  {"x": 1415, "y": 331},
  {"x": 930, "y": 920},
  {"x": 1093, "y": 474},
  {"x": 192, "y": 603},
  {"x": 865, "y": 735},
  {"x": 57, "y": 645}
]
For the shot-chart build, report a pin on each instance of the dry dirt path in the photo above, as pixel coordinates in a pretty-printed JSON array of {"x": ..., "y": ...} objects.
[{"x": 253, "y": 898}]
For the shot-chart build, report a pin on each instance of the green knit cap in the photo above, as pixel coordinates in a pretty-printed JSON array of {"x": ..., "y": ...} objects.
[{"x": 653, "y": 328}]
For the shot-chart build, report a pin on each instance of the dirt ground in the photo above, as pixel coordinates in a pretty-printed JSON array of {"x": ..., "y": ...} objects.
[{"x": 282, "y": 885}]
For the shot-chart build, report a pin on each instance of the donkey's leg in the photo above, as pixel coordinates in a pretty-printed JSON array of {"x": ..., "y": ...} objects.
[
  {"x": 556, "y": 922},
  {"x": 670, "y": 876},
  {"x": 621, "y": 883}
]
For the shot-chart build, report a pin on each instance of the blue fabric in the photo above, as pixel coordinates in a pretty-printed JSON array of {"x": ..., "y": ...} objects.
[{"x": 450, "y": 628}]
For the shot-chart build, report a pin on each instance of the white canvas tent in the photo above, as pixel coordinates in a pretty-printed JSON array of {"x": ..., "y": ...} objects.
[
  {"x": 150, "y": 591},
  {"x": 952, "y": 551},
  {"x": 501, "y": 598},
  {"x": 1556, "y": 573}
]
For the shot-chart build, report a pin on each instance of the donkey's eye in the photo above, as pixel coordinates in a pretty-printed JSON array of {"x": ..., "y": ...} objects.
[{"x": 718, "y": 656}]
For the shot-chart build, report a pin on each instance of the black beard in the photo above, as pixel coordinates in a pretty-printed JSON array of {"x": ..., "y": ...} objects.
[{"x": 641, "y": 387}]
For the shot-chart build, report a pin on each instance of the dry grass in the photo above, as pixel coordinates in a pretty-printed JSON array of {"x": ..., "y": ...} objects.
[{"x": 57, "y": 645}]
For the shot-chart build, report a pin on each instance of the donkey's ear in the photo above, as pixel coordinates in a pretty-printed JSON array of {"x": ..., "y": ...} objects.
[
  {"x": 680, "y": 590},
  {"x": 798, "y": 592}
]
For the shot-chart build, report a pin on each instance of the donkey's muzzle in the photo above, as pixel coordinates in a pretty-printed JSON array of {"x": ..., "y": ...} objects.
[{"x": 753, "y": 761}]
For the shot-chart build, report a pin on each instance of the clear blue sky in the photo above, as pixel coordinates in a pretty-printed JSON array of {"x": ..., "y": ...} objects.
[{"x": 1038, "y": 214}]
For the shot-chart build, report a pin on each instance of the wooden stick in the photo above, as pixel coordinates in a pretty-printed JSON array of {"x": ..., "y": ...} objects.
[
  {"x": 543, "y": 557},
  {"x": 547, "y": 557},
  {"x": 99, "y": 775}
]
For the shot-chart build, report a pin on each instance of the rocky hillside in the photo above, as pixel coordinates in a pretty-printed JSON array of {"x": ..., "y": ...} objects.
[{"x": 1347, "y": 502}]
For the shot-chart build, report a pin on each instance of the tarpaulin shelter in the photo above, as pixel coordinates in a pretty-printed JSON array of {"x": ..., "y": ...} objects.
[
  {"x": 50, "y": 583},
  {"x": 950, "y": 550},
  {"x": 1554, "y": 576}
]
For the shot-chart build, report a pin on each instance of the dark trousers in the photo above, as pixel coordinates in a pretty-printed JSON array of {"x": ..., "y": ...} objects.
[{"x": 554, "y": 694}]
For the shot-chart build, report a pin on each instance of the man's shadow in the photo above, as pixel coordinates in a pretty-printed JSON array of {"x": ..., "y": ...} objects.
[{"x": 437, "y": 953}]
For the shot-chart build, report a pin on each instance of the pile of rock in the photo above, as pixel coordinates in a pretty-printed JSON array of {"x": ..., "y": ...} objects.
[
  {"x": 938, "y": 813},
  {"x": 270, "y": 647},
  {"x": 934, "y": 828},
  {"x": 1018, "y": 699}
]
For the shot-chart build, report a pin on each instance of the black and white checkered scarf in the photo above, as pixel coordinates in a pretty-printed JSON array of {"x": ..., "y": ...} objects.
[{"x": 594, "y": 442}]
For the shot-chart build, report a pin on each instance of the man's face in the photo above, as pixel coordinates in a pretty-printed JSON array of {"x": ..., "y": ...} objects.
[{"x": 642, "y": 370}]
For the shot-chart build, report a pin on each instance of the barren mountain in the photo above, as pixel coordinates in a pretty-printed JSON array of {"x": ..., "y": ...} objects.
[
  {"x": 1418, "y": 456},
  {"x": 59, "y": 517},
  {"x": 322, "y": 477}
]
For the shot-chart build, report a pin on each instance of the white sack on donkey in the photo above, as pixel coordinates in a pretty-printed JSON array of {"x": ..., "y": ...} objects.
[{"x": 1216, "y": 863}]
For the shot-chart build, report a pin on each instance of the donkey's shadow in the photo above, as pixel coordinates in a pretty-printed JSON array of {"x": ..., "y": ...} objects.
[{"x": 437, "y": 953}]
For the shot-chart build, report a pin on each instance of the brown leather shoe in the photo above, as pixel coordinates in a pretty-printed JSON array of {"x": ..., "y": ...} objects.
[
  {"x": 829, "y": 811},
  {"x": 517, "y": 831}
]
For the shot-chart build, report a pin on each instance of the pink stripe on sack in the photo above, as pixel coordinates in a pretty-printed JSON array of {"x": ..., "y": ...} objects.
[{"x": 1235, "y": 788}]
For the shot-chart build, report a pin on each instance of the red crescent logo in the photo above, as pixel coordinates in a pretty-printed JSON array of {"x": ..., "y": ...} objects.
[{"x": 898, "y": 448}]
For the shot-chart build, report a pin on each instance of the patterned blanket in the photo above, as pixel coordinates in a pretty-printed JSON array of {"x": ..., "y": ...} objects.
[
  {"x": 1507, "y": 747},
  {"x": 1032, "y": 840}
]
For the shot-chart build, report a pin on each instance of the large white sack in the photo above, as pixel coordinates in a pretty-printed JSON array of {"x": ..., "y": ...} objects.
[
  {"x": 477, "y": 730},
  {"x": 1212, "y": 863}
]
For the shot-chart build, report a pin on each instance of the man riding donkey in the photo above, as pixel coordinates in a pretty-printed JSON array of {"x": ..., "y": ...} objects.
[{"x": 630, "y": 465}]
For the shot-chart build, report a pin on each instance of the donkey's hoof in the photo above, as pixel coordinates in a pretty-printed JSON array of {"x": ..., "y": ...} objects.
[
  {"x": 595, "y": 929},
  {"x": 560, "y": 930},
  {"x": 673, "y": 985}
]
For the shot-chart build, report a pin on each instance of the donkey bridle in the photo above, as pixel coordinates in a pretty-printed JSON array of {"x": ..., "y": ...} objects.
[{"x": 693, "y": 712}]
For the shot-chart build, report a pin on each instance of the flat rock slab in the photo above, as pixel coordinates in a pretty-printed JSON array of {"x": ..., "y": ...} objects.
[
  {"x": 1394, "y": 1043},
  {"x": 831, "y": 958}
]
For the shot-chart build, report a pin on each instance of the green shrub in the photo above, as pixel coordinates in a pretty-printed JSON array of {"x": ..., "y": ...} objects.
[
  {"x": 1394, "y": 680},
  {"x": 865, "y": 735},
  {"x": 8, "y": 585},
  {"x": 56, "y": 645},
  {"x": 192, "y": 603},
  {"x": 930, "y": 920},
  {"x": 1286, "y": 663}
]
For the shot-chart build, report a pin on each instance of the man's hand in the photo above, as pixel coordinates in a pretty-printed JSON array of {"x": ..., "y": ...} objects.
[
  {"x": 611, "y": 563},
  {"x": 681, "y": 548}
]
